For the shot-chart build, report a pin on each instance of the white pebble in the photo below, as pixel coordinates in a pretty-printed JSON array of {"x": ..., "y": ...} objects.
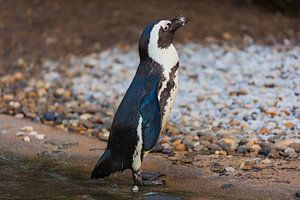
[
  {"x": 230, "y": 170},
  {"x": 27, "y": 128},
  {"x": 40, "y": 136},
  {"x": 20, "y": 133},
  {"x": 135, "y": 188},
  {"x": 32, "y": 133},
  {"x": 26, "y": 139},
  {"x": 19, "y": 116}
]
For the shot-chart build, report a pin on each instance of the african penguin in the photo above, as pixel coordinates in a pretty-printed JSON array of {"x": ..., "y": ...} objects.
[{"x": 146, "y": 106}]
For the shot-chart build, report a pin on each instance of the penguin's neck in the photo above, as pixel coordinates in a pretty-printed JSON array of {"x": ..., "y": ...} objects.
[{"x": 166, "y": 57}]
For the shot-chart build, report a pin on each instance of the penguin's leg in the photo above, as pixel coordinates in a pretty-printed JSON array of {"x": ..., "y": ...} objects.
[{"x": 137, "y": 177}]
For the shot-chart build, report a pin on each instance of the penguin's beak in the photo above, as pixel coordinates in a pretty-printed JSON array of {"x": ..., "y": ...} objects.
[{"x": 178, "y": 22}]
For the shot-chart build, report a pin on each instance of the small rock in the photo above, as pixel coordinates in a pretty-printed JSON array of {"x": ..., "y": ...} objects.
[
  {"x": 295, "y": 146},
  {"x": 264, "y": 131},
  {"x": 167, "y": 151},
  {"x": 49, "y": 116},
  {"x": 85, "y": 116},
  {"x": 227, "y": 186},
  {"x": 281, "y": 145},
  {"x": 15, "y": 104},
  {"x": 200, "y": 98},
  {"x": 32, "y": 133},
  {"x": 271, "y": 111},
  {"x": 185, "y": 119},
  {"x": 223, "y": 153},
  {"x": 230, "y": 141},
  {"x": 242, "y": 149},
  {"x": 20, "y": 133},
  {"x": 180, "y": 147},
  {"x": 40, "y": 136},
  {"x": 229, "y": 170},
  {"x": 27, "y": 128},
  {"x": 226, "y": 36},
  {"x": 88, "y": 124},
  {"x": 266, "y": 161},
  {"x": 19, "y": 116},
  {"x": 135, "y": 188},
  {"x": 290, "y": 152},
  {"x": 104, "y": 135},
  {"x": 264, "y": 151},
  {"x": 176, "y": 142},
  {"x": 289, "y": 125},
  {"x": 26, "y": 139},
  {"x": 198, "y": 148},
  {"x": 214, "y": 147},
  {"x": 255, "y": 148},
  {"x": 59, "y": 92}
]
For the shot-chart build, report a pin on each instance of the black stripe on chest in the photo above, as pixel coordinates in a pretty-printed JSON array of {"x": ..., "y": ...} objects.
[{"x": 166, "y": 93}]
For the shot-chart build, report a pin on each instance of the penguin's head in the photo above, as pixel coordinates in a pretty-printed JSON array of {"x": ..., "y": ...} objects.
[{"x": 159, "y": 34}]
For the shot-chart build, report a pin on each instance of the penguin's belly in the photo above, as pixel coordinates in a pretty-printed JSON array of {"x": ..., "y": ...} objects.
[{"x": 167, "y": 98}]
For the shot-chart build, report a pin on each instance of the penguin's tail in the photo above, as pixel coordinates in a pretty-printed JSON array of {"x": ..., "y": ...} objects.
[{"x": 105, "y": 166}]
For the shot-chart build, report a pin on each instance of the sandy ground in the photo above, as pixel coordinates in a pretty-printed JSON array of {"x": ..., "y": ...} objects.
[{"x": 276, "y": 181}]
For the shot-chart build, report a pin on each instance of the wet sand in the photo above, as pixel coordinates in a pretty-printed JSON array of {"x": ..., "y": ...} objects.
[{"x": 78, "y": 152}]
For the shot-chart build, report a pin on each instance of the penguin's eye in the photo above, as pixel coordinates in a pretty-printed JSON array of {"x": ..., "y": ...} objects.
[{"x": 166, "y": 27}]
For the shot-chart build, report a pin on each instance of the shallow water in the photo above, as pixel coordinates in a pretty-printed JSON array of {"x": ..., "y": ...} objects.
[{"x": 47, "y": 179}]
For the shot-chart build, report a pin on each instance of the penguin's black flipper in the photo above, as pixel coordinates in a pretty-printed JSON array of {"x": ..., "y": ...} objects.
[
  {"x": 150, "y": 111},
  {"x": 105, "y": 166}
]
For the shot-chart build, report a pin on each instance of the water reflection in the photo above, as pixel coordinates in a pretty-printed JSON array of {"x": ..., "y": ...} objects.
[{"x": 46, "y": 179}]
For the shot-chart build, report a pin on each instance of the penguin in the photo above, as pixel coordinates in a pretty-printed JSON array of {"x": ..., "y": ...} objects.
[{"x": 146, "y": 106}]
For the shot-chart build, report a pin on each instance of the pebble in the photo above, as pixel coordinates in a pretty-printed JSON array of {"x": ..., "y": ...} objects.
[
  {"x": 135, "y": 188},
  {"x": 295, "y": 146},
  {"x": 19, "y": 116},
  {"x": 264, "y": 151},
  {"x": 32, "y": 133},
  {"x": 167, "y": 151},
  {"x": 20, "y": 133},
  {"x": 282, "y": 144},
  {"x": 40, "y": 136},
  {"x": 231, "y": 142},
  {"x": 229, "y": 170},
  {"x": 180, "y": 147},
  {"x": 264, "y": 131},
  {"x": 27, "y": 128},
  {"x": 15, "y": 104},
  {"x": 266, "y": 161},
  {"x": 290, "y": 152},
  {"x": 242, "y": 149},
  {"x": 104, "y": 135},
  {"x": 255, "y": 148},
  {"x": 26, "y": 139},
  {"x": 214, "y": 147},
  {"x": 49, "y": 116}
]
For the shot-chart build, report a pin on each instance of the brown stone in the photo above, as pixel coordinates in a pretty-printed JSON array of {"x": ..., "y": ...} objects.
[
  {"x": 180, "y": 147},
  {"x": 295, "y": 146},
  {"x": 289, "y": 125},
  {"x": 264, "y": 131}
]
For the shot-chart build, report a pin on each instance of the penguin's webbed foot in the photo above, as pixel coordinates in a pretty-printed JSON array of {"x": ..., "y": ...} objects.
[
  {"x": 147, "y": 178},
  {"x": 151, "y": 175}
]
